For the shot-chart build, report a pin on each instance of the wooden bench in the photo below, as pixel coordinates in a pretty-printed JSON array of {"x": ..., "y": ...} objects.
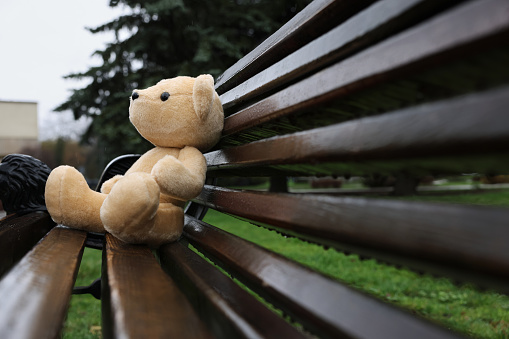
[{"x": 346, "y": 88}]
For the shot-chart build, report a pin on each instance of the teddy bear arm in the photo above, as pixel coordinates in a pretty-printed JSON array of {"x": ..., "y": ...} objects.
[
  {"x": 196, "y": 164},
  {"x": 108, "y": 184},
  {"x": 181, "y": 178}
]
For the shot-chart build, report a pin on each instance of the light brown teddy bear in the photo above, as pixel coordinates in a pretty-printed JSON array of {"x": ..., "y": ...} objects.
[{"x": 182, "y": 117}]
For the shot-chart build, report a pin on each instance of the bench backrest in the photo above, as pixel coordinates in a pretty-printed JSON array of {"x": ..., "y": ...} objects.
[{"x": 400, "y": 88}]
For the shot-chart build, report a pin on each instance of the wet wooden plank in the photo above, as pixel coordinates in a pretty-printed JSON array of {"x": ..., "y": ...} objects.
[
  {"x": 462, "y": 30},
  {"x": 472, "y": 73},
  {"x": 18, "y": 234},
  {"x": 466, "y": 242},
  {"x": 435, "y": 129},
  {"x": 321, "y": 305},
  {"x": 35, "y": 294},
  {"x": 373, "y": 24},
  {"x": 229, "y": 310},
  {"x": 140, "y": 300},
  {"x": 316, "y": 19}
]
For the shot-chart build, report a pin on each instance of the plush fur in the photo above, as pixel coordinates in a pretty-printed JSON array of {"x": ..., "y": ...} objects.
[
  {"x": 22, "y": 182},
  {"x": 146, "y": 204}
]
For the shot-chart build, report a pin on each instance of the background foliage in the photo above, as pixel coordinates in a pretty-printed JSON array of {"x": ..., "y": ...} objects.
[{"x": 165, "y": 38}]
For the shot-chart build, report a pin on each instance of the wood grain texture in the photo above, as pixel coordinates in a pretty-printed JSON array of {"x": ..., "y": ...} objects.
[
  {"x": 451, "y": 35},
  {"x": 35, "y": 294},
  {"x": 431, "y": 130},
  {"x": 468, "y": 242},
  {"x": 230, "y": 311},
  {"x": 323, "y": 306},
  {"x": 18, "y": 234},
  {"x": 378, "y": 21},
  {"x": 314, "y": 20},
  {"x": 140, "y": 300}
]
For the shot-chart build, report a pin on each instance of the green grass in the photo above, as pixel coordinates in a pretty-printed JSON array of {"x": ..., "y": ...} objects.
[
  {"x": 462, "y": 308},
  {"x": 493, "y": 198},
  {"x": 84, "y": 316}
]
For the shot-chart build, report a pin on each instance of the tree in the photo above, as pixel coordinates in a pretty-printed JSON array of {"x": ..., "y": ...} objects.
[
  {"x": 65, "y": 151},
  {"x": 166, "y": 38}
]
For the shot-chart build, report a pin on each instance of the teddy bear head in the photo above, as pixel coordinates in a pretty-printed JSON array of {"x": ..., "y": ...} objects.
[{"x": 178, "y": 112}]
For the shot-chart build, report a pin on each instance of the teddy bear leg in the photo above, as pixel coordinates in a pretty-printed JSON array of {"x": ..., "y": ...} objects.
[
  {"x": 130, "y": 208},
  {"x": 71, "y": 202},
  {"x": 168, "y": 225}
]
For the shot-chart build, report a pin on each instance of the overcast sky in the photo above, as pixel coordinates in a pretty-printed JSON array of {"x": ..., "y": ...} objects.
[{"x": 40, "y": 42}]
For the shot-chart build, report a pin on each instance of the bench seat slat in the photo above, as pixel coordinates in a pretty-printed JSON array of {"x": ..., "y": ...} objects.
[
  {"x": 321, "y": 305},
  {"x": 18, "y": 234},
  {"x": 35, "y": 294},
  {"x": 457, "y": 32},
  {"x": 464, "y": 241},
  {"x": 314, "y": 20},
  {"x": 423, "y": 131},
  {"x": 140, "y": 300},
  {"x": 373, "y": 24},
  {"x": 229, "y": 310}
]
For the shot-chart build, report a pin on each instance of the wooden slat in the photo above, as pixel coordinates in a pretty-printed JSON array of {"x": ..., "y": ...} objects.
[
  {"x": 373, "y": 24},
  {"x": 325, "y": 307},
  {"x": 467, "y": 242},
  {"x": 476, "y": 125},
  {"x": 35, "y": 294},
  {"x": 18, "y": 234},
  {"x": 316, "y": 19},
  {"x": 229, "y": 311},
  {"x": 434, "y": 42},
  {"x": 140, "y": 300}
]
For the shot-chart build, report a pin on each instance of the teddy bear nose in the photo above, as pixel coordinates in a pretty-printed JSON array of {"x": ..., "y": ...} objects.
[{"x": 135, "y": 95}]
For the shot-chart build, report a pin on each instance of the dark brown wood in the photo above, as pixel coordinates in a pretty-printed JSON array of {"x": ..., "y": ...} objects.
[
  {"x": 316, "y": 19},
  {"x": 229, "y": 310},
  {"x": 468, "y": 242},
  {"x": 325, "y": 307},
  {"x": 19, "y": 234},
  {"x": 369, "y": 144},
  {"x": 373, "y": 24},
  {"x": 436, "y": 41},
  {"x": 35, "y": 294},
  {"x": 140, "y": 300}
]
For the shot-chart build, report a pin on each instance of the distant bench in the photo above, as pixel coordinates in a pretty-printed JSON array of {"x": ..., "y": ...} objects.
[{"x": 346, "y": 88}]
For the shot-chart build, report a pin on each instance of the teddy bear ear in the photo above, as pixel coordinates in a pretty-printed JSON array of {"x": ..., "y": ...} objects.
[{"x": 203, "y": 95}]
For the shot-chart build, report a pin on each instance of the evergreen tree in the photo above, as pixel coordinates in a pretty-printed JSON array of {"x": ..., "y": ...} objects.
[{"x": 166, "y": 38}]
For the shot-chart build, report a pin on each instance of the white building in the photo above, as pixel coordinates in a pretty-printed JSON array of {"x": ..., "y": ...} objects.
[{"x": 18, "y": 126}]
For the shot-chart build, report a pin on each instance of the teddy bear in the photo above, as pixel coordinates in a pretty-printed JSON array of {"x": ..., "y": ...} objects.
[{"x": 182, "y": 117}]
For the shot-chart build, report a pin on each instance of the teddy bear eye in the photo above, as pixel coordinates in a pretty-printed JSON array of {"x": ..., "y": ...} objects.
[{"x": 165, "y": 96}]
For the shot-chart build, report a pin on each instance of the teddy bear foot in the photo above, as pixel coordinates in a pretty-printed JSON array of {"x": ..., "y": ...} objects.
[
  {"x": 129, "y": 210},
  {"x": 71, "y": 202}
]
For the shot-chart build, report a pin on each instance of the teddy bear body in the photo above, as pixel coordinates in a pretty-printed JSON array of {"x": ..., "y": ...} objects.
[{"x": 182, "y": 117}]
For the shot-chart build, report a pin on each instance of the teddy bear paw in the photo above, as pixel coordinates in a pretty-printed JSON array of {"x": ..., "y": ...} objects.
[{"x": 128, "y": 211}]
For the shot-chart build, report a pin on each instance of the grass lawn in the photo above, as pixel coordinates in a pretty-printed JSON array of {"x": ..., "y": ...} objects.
[
  {"x": 462, "y": 308},
  {"x": 84, "y": 316},
  {"x": 494, "y": 198}
]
